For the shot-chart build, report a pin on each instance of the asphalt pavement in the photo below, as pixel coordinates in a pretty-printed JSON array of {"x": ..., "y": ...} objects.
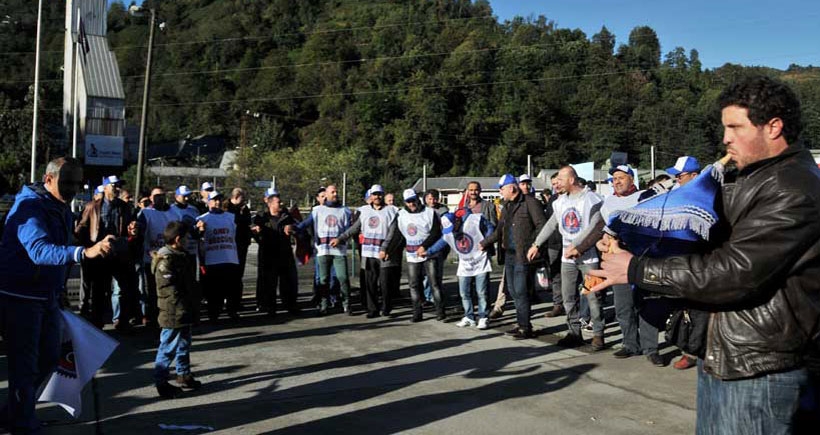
[{"x": 349, "y": 374}]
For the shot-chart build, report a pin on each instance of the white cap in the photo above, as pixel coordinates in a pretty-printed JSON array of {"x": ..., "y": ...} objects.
[
  {"x": 271, "y": 192},
  {"x": 207, "y": 186},
  {"x": 376, "y": 188},
  {"x": 409, "y": 194},
  {"x": 523, "y": 178}
]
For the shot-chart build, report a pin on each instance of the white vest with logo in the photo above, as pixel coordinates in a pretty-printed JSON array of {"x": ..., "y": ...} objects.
[
  {"x": 328, "y": 224},
  {"x": 573, "y": 216},
  {"x": 219, "y": 240},
  {"x": 613, "y": 203},
  {"x": 188, "y": 216},
  {"x": 415, "y": 227},
  {"x": 375, "y": 224},
  {"x": 154, "y": 237},
  {"x": 472, "y": 261}
]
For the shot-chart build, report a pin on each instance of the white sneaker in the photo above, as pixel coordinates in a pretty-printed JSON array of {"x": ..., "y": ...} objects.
[
  {"x": 465, "y": 321},
  {"x": 482, "y": 323}
]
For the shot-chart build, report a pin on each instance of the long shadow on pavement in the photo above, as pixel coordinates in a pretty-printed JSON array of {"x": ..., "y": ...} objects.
[{"x": 270, "y": 402}]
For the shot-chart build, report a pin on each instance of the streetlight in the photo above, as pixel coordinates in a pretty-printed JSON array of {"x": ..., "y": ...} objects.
[{"x": 138, "y": 11}]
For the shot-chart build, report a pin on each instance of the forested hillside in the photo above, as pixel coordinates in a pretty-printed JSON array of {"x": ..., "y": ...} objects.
[{"x": 377, "y": 89}]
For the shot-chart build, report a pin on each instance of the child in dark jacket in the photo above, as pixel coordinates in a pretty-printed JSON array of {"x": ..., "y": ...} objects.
[{"x": 174, "y": 300}]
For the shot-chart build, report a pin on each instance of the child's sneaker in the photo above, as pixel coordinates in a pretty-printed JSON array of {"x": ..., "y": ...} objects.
[
  {"x": 482, "y": 323},
  {"x": 188, "y": 381},
  {"x": 168, "y": 391},
  {"x": 465, "y": 321}
]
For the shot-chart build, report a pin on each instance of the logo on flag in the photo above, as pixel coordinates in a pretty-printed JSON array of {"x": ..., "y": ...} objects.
[
  {"x": 373, "y": 222},
  {"x": 571, "y": 220},
  {"x": 412, "y": 230},
  {"x": 331, "y": 221},
  {"x": 66, "y": 366}
]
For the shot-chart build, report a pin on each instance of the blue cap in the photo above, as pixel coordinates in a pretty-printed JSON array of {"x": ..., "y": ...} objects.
[
  {"x": 112, "y": 179},
  {"x": 684, "y": 164},
  {"x": 270, "y": 191},
  {"x": 207, "y": 186},
  {"x": 622, "y": 168},
  {"x": 409, "y": 195},
  {"x": 183, "y": 190},
  {"x": 99, "y": 189},
  {"x": 214, "y": 195},
  {"x": 505, "y": 180}
]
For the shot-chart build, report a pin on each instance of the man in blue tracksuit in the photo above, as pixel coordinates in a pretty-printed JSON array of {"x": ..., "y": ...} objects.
[{"x": 34, "y": 255}]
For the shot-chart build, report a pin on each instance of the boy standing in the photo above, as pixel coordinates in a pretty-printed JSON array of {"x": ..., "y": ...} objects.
[{"x": 174, "y": 300}]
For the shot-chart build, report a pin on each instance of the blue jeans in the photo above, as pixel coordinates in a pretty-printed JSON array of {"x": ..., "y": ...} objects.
[
  {"x": 516, "y": 285},
  {"x": 627, "y": 315},
  {"x": 32, "y": 334},
  {"x": 173, "y": 344},
  {"x": 761, "y": 405},
  {"x": 482, "y": 283},
  {"x": 428, "y": 289},
  {"x": 327, "y": 263},
  {"x": 570, "y": 277}
]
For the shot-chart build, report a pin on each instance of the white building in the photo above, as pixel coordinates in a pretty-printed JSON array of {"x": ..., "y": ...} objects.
[{"x": 98, "y": 99}]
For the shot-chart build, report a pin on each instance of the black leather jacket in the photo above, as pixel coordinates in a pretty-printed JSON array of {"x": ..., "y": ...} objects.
[{"x": 763, "y": 282}]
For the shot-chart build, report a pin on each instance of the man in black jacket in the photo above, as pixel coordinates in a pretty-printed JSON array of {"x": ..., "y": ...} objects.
[
  {"x": 521, "y": 219},
  {"x": 277, "y": 266},
  {"x": 762, "y": 281}
]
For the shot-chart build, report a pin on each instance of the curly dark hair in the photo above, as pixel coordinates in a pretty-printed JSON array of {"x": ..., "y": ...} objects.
[{"x": 766, "y": 98}]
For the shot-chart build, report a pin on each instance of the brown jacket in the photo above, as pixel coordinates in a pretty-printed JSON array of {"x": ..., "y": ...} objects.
[{"x": 87, "y": 231}]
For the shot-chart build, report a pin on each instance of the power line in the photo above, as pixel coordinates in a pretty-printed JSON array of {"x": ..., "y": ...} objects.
[{"x": 277, "y": 36}]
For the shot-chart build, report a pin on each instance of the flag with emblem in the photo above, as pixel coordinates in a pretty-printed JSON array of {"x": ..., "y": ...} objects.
[{"x": 83, "y": 351}]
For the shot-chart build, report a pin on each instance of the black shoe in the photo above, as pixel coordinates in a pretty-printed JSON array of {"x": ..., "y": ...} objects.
[
  {"x": 385, "y": 313},
  {"x": 441, "y": 317},
  {"x": 188, "y": 381},
  {"x": 372, "y": 315},
  {"x": 168, "y": 391},
  {"x": 655, "y": 359},
  {"x": 512, "y": 331},
  {"x": 495, "y": 314},
  {"x": 416, "y": 319},
  {"x": 294, "y": 311},
  {"x": 523, "y": 333},
  {"x": 624, "y": 353},
  {"x": 571, "y": 341},
  {"x": 233, "y": 316}
]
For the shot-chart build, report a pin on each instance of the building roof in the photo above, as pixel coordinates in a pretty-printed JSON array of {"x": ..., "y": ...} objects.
[
  {"x": 101, "y": 71},
  {"x": 460, "y": 183}
]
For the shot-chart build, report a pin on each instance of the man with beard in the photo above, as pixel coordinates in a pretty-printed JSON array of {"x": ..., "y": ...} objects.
[
  {"x": 419, "y": 228},
  {"x": 380, "y": 275}
]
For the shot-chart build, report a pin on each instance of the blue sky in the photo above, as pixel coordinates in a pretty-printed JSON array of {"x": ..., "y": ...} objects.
[{"x": 746, "y": 32}]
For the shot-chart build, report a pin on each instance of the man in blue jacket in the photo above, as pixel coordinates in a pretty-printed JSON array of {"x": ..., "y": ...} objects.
[{"x": 34, "y": 258}]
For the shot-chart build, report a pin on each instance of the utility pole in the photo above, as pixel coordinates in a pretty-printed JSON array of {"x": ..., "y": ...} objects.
[{"x": 144, "y": 116}]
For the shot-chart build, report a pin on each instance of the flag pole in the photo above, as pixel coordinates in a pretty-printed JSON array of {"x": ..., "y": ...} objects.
[{"x": 36, "y": 93}]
